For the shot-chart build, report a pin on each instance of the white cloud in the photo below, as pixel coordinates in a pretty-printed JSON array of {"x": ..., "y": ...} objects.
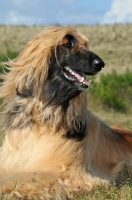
[
  {"x": 16, "y": 18},
  {"x": 120, "y": 12},
  {"x": 12, "y": 18}
]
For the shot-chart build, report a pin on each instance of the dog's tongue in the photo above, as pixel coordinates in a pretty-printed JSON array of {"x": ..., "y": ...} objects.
[{"x": 80, "y": 78}]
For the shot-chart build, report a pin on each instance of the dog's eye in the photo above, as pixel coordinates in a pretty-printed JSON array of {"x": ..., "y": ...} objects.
[{"x": 69, "y": 44}]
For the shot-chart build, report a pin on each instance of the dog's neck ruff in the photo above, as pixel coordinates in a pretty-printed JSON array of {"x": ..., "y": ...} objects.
[
  {"x": 73, "y": 121},
  {"x": 71, "y": 124}
]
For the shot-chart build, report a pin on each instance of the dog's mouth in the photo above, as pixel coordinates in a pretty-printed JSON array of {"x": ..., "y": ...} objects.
[{"x": 77, "y": 77}]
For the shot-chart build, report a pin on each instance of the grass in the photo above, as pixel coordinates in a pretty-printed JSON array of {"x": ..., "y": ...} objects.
[{"x": 113, "y": 44}]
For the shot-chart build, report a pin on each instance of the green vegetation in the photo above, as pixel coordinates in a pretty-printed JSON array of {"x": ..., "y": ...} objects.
[
  {"x": 8, "y": 55},
  {"x": 114, "y": 90}
]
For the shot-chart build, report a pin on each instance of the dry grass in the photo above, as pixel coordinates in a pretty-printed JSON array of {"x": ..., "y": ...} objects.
[{"x": 113, "y": 44}]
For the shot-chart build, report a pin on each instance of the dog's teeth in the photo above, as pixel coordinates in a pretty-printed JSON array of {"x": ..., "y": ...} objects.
[
  {"x": 67, "y": 68},
  {"x": 82, "y": 80},
  {"x": 71, "y": 72},
  {"x": 89, "y": 82}
]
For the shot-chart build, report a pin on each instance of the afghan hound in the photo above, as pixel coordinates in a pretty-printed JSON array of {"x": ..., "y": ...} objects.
[{"x": 54, "y": 147}]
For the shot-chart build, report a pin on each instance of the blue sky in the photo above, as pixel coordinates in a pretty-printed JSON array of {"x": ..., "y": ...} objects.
[{"x": 64, "y": 12}]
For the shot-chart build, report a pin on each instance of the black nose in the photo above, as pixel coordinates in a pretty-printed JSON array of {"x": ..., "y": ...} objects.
[{"x": 98, "y": 63}]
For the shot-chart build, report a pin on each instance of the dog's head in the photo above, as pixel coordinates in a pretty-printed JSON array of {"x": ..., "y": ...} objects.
[
  {"x": 53, "y": 67},
  {"x": 69, "y": 64},
  {"x": 76, "y": 61}
]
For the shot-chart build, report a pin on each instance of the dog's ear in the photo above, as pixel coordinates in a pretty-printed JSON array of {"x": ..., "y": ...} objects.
[
  {"x": 25, "y": 88},
  {"x": 125, "y": 132}
]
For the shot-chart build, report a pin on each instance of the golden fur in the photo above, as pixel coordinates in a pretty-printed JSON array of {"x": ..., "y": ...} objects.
[{"x": 37, "y": 161}]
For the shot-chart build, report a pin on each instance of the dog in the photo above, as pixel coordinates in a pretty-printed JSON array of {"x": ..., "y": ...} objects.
[{"x": 54, "y": 147}]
